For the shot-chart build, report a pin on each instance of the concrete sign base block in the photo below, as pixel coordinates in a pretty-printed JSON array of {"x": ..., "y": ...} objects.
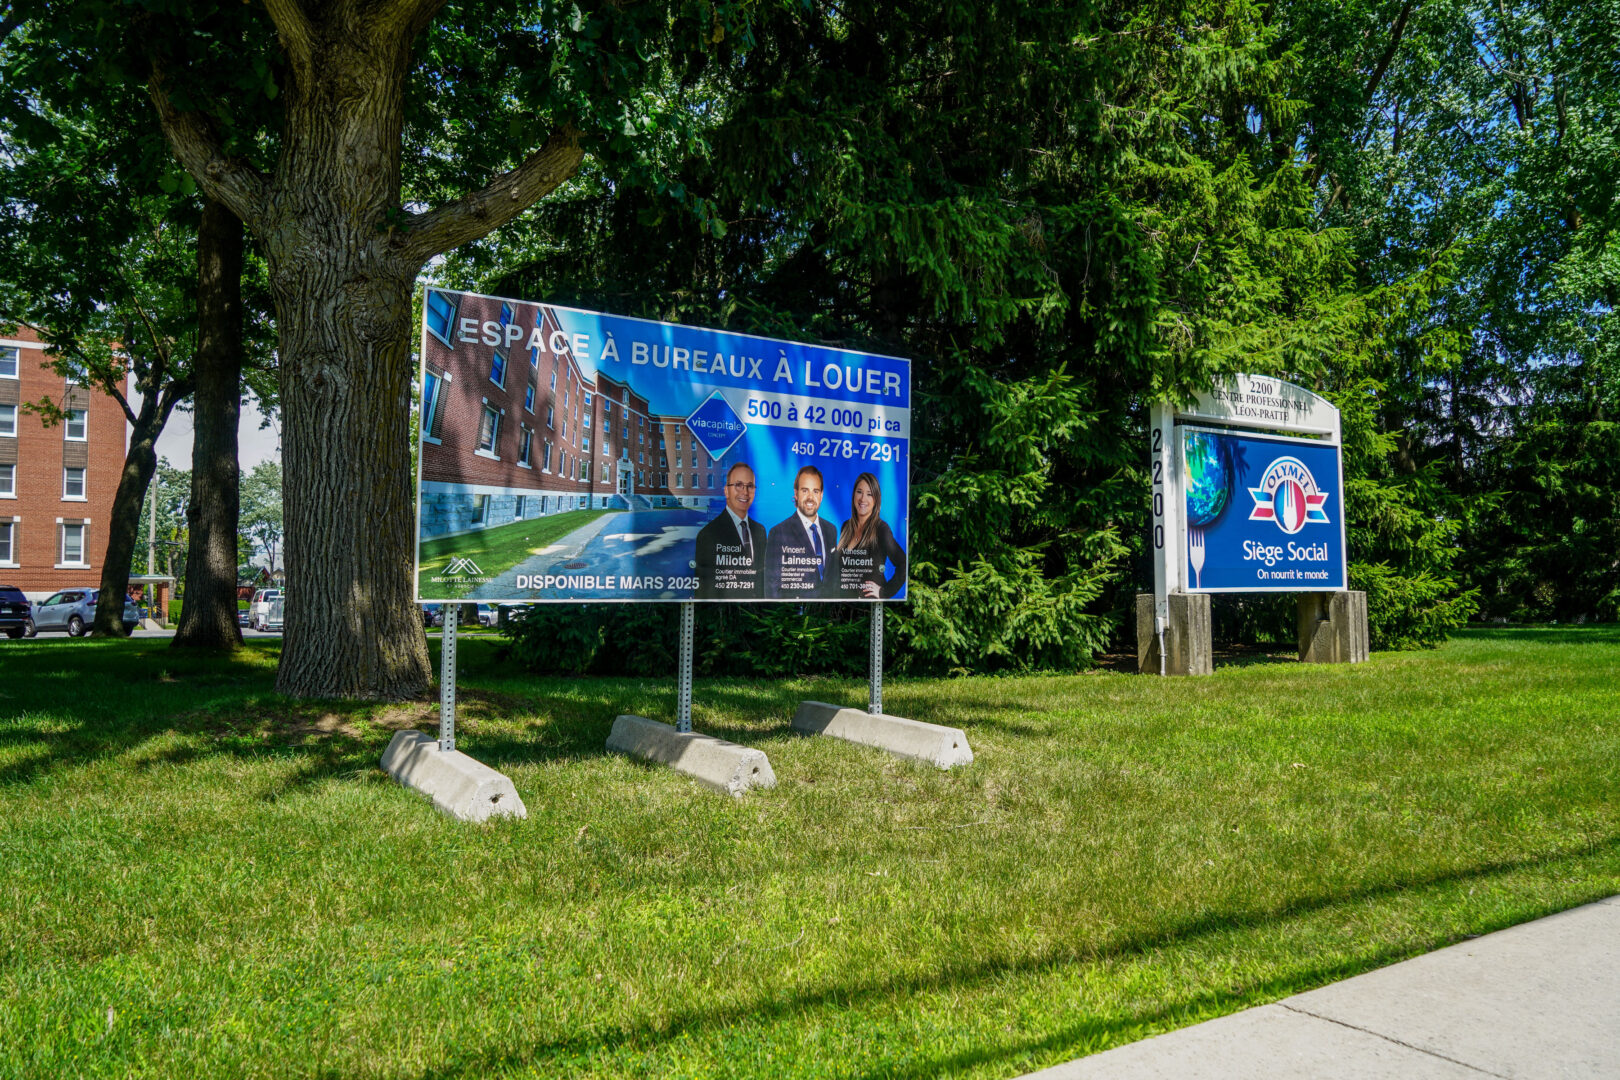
[
  {"x": 459, "y": 786},
  {"x": 724, "y": 766},
  {"x": 1333, "y": 628},
  {"x": 1188, "y": 637},
  {"x": 939, "y": 746}
]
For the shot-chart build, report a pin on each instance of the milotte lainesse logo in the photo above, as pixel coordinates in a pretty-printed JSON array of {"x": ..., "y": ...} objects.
[
  {"x": 461, "y": 569},
  {"x": 1288, "y": 495}
]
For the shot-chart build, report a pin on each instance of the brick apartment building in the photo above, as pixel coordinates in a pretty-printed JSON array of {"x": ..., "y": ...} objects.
[
  {"x": 512, "y": 434},
  {"x": 57, "y": 483}
]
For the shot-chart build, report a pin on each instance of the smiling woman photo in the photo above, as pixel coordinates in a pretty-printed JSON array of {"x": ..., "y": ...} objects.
[{"x": 866, "y": 544}]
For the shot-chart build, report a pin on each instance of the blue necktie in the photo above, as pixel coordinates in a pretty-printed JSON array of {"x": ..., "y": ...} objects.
[{"x": 815, "y": 545}]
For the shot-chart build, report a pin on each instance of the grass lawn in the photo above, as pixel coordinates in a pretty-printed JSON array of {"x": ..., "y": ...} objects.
[
  {"x": 203, "y": 879},
  {"x": 494, "y": 550}
]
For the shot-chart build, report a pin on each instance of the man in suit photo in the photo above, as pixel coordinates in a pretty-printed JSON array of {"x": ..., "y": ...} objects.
[
  {"x": 800, "y": 552},
  {"x": 731, "y": 548}
]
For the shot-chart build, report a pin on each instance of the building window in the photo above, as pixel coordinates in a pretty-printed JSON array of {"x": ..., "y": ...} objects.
[
  {"x": 550, "y": 416},
  {"x": 517, "y": 510},
  {"x": 8, "y": 547},
  {"x": 584, "y": 470},
  {"x": 8, "y": 361},
  {"x": 585, "y": 444},
  {"x": 497, "y": 369},
  {"x": 8, "y": 481},
  {"x": 678, "y": 479},
  {"x": 638, "y": 476},
  {"x": 72, "y": 548},
  {"x": 565, "y": 399},
  {"x": 607, "y": 406},
  {"x": 430, "y": 402},
  {"x": 587, "y": 399},
  {"x": 565, "y": 431},
  {"x": 708, "y": 480},
  {"x": 523, "y": 448},
  {"x": 480, "y": 508},
  {"x": 607, "y": 448},
  {"x": 679, "y": 445},
  {"x": 545, "y": 458},
  {"x": 73, "y": 483},
  {"x": 488, "y": 429},
  {"x": 661, "y": 442},
  {"x": 8, "y": 419},
  {"x": 78, "y": 425},
  {"x": 441, "y": 316},
  {"x": 663, "y": 462},
  {"x": 694, "y": 481},
  {"x": 587, "y": 421},
  {"x": 528, "y": 398},
  {"x": 626, "y": 433},
  {"x": 554, "y": 376},
  {"x": 564, "y": 470}
]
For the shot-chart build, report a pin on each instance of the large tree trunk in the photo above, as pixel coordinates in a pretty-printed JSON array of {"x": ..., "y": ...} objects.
[
  {"x": 343, "y": 312},
  {"x": 124, "y": 529},
  {"x": 208, "y": 614},
  {"x": 343, "y": 257}
]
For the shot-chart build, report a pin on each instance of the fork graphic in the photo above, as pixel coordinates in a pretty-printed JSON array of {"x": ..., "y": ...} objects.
[{"x": 1195, "y": 555}]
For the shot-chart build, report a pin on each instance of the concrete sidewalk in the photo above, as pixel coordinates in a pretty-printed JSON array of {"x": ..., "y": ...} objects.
[{"x": 1533, "y": 1001}]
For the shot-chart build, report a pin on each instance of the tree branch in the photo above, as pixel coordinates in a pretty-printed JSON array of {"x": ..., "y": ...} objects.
[
  {"x": 226, "y": 180},
  {"x": 297, "y": 36},
  {"x": 425, "y": 235}
]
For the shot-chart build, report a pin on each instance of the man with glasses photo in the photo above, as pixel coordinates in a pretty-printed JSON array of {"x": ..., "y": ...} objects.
[{"x": 731, "y": 548}]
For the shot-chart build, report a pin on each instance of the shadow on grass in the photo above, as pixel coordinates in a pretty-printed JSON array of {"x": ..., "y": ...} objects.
[
  {"x": 1597, "y": 634},
  {"x": 121, "y": 696},
  {"x": 1086, "y": 1037}
]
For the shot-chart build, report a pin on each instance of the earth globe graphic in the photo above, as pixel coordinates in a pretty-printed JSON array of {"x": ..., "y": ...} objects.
[{"x": 1209, "y": 477}]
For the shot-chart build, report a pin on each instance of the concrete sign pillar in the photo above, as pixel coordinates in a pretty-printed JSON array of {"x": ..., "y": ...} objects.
[
  {"x": 1188, "y": 635},
  {"x": 1333, "y": 628}
]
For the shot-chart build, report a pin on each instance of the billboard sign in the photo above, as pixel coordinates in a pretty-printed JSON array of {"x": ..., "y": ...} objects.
[
  {"x": 571, "y": 455},
  {"x": 1262, "y": 513}
]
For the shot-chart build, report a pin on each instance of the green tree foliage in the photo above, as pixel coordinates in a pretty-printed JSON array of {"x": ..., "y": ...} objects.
[
  {"x": 1061, "y": 213},
  {"x": 263, "y": 521},
  {"x": 1489, "y": 146}
]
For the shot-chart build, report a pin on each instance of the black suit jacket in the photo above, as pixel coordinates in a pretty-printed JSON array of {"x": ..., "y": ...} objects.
[
  {"x": 723, "y": 571},
  {"x": 790, "y": 567}
]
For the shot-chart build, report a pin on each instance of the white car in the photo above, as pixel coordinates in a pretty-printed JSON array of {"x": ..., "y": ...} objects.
[{"x": 259, "y": 608}]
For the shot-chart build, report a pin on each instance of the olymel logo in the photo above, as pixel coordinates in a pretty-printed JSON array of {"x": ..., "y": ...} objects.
[
  {"x": 462, "y": 568},
  {"x": 1289, "y": 496}
]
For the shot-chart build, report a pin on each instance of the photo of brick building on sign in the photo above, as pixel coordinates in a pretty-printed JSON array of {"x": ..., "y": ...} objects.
[{"x": 512, "y": 432}]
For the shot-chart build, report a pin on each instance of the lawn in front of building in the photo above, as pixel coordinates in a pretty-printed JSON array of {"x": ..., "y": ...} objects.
[
  {"x": 495, "y": 550},
  {"x": 202, "y": 878}
]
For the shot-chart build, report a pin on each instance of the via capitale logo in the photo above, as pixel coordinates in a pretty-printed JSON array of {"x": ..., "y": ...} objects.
[{"x": 1288, "y": 495}]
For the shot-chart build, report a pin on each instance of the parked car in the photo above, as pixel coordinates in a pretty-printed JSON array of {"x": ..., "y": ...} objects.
[
  {"x": 273, "y": 617},
  {"x": 259, "y": 608},
  {"x": 486, "y": 614},
  {"x": 16, "y": 613},
  {"x": 74, "y": 610}
]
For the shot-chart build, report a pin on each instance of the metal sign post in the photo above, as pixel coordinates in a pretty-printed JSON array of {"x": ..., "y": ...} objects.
[
  {"x": 874, "y": 704},
  {"x": 447, "y": 680},
  {"x": 683, "y": 702}
]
